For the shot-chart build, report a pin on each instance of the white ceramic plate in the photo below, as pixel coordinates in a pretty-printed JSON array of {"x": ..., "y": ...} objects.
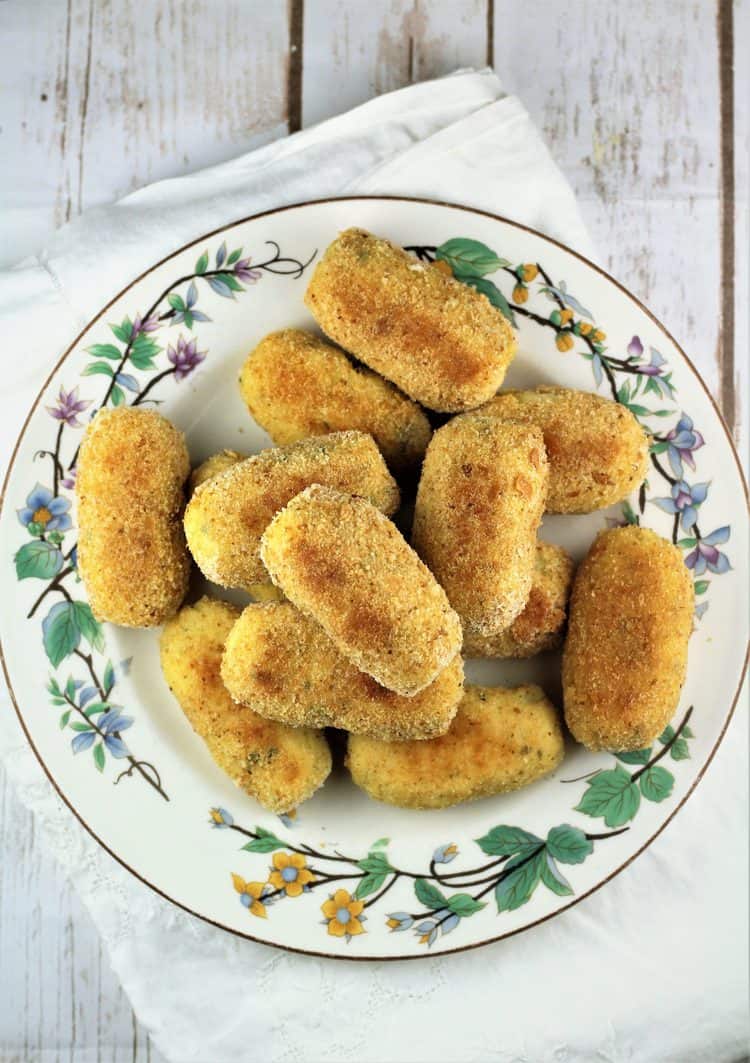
[{"x": 110, "y": 736}]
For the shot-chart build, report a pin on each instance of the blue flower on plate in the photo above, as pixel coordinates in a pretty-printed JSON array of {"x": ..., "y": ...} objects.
[
  {"x": 685, "y": 501},
  {"x": 445, "y": 853},
  {"x": 220, "y": 818},
  {"x": 399, "y": 920},
  {"x": 706, "y": 556},
  {"x": 44, "y": 513},
  {"x": 683, "y": 440}
]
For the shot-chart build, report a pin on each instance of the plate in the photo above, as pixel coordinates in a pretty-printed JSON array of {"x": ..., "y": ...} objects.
[{"x": 383, "y": 882}]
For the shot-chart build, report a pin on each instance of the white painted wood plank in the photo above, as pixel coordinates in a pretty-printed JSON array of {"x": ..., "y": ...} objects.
[
  {"x": 742, "y": 228},
  {"x": 627, "y": 98},
  {"x": 103, "y": 96},
  {"x": 58, "y": 996},
  {"x": 355, "y": 51}
]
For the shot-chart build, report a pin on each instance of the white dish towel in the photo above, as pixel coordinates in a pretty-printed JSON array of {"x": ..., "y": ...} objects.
[{"x": 648, "y": 968}]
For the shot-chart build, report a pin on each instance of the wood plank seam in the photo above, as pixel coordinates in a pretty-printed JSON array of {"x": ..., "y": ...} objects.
[
  {"x": 726, "y": 353},
  {"x": 295, "y": 65}
]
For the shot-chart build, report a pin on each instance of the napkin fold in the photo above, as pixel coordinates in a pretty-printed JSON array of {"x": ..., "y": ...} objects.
[{"x": 583, "y": 986}]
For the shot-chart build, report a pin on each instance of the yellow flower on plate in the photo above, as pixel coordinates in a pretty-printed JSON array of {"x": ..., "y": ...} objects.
[
  {"x": 564, "y": 341},
  {"x": 290, "y": 873},
  {"x": 250, "y": 894},
  {"x": 341, "y": 911},
  {"x": 520, "y": 293}
]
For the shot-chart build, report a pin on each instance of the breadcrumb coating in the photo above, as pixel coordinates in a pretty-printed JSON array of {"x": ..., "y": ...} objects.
[
  {"x": 129, "y": 489},
  {"x": 227, "y": 515},
  {"x": 340, "y": 561},
  {"x": 286, "y": 668},
  {"x": 597, "y": 450},
  {"x": 500, "y": 740},
  {"x": 539, "y": 626},
  {"x": 479, "y": 504},
  {"x": 625, "y": 657},
  {"x": 212, "y": 466},
  {"x": 440, "y": 341},
  {"x": 296, "y": 386},
  {"x": 279, "y": 766}
]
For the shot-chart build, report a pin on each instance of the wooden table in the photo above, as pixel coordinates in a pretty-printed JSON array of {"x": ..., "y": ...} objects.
[{"x": 636, "y": 99}]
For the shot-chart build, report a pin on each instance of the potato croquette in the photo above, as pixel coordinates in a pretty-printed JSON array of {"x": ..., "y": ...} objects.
[
  {"x": 479, "y": 504},
  {"x": 227, "y": 515},
  {"x": 279, "y": 766},
  {"x": 284, "y": 665},
  {"x": 631, "y": 614},
  {"x": 212, "y": 466},
  {"x": 597, "y": 450},
  {"x": 539, "y": 627},
  {"x": 500, "y": 740},
  {"x": 296, "y": 386},
  {"x": 340, "y": 561},
  {"x": 440, "y": 341},
  {"x": 131, "y": 547}
]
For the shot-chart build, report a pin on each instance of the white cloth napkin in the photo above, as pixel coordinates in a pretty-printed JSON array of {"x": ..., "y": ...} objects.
[{"x": 649, "y": 967}]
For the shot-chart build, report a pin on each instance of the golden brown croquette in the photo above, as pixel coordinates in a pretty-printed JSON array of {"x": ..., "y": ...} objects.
[
  {"x": 296, "y": 386},
  {"x": 539, "y": 626},
  {"x": 280, "y": 766},
  {"x": 212, "y": 466},
  {"x": 284, "y": 665},
  {"x": 440, "y": 341},
  {"x": 227, "y": 515},
  {"x": 500, "y": 740},
  {"x": 631, "y": 614},
  {"x": 479, "y": 504},
  {"x": 597, "y": 450},
  {"x": 340, "y": 561},
  {"x": 132, "y": 556}
]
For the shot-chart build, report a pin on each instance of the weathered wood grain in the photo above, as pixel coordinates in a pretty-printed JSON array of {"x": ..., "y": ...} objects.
[
  {"x": 356, "y": 51},
  {"x": 627, "y": 96}
]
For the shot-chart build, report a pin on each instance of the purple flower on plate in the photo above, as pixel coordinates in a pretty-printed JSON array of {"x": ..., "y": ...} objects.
[
  {"x": 635, "y": 348},
  {"x": 69, "y": 479},
  {"x": 654, "y": 367},
  {"x": 706, "y": 556},
  {"x": 68, "y": 407},
  {"x": 44, "y": 513},
  {"x": 683, "y": 441},
  {"x": 244, "y": 273},
  {"x": 149, "y": 324},
  {"x": 685, "y": 501},
  {"x": 185, "y": 357}
]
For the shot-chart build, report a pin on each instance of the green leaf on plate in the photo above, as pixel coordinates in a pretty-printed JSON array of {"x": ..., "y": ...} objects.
[
  {"x": 60, "y": 632},
  {"x": 64, "y": 719},
  {"x": 554, "y": 879},
  {"x": 88, "y": 625},
  {"x": 463, "y": 904},
  {"x": 636, "y": 756},
  {"x": 375, "y": 862},
  {"x": 701, "y": 586},
  {"x": 679, "y": 749},
  {"x": 118, "y": 396},
  {"x": 123, "y": 331},
  {"x": 99, "y": 756},
  {"x": 98, "y": 367},
  {"x": 505, "y": 841},
  {"x": 611, "y": 795},
  {"x": 266, "y": 842},
  {"x": 105, "y": 350},
  {"x": 656, "y": 783},
  {"x": 202, "y": 263},
  {"x": 470, "y": 258},
  {"x": 429, "y": 895},
  {"x": 369, "y": 884},
  {"x": 38, "y": 560},
  {"x": 522, "y": 875},
  {"x": 175, "y": 301},
  {"x": 667, "y": 734},
  {"x": 569, "y": 844},
  {"x": 81, "y": 727}
]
